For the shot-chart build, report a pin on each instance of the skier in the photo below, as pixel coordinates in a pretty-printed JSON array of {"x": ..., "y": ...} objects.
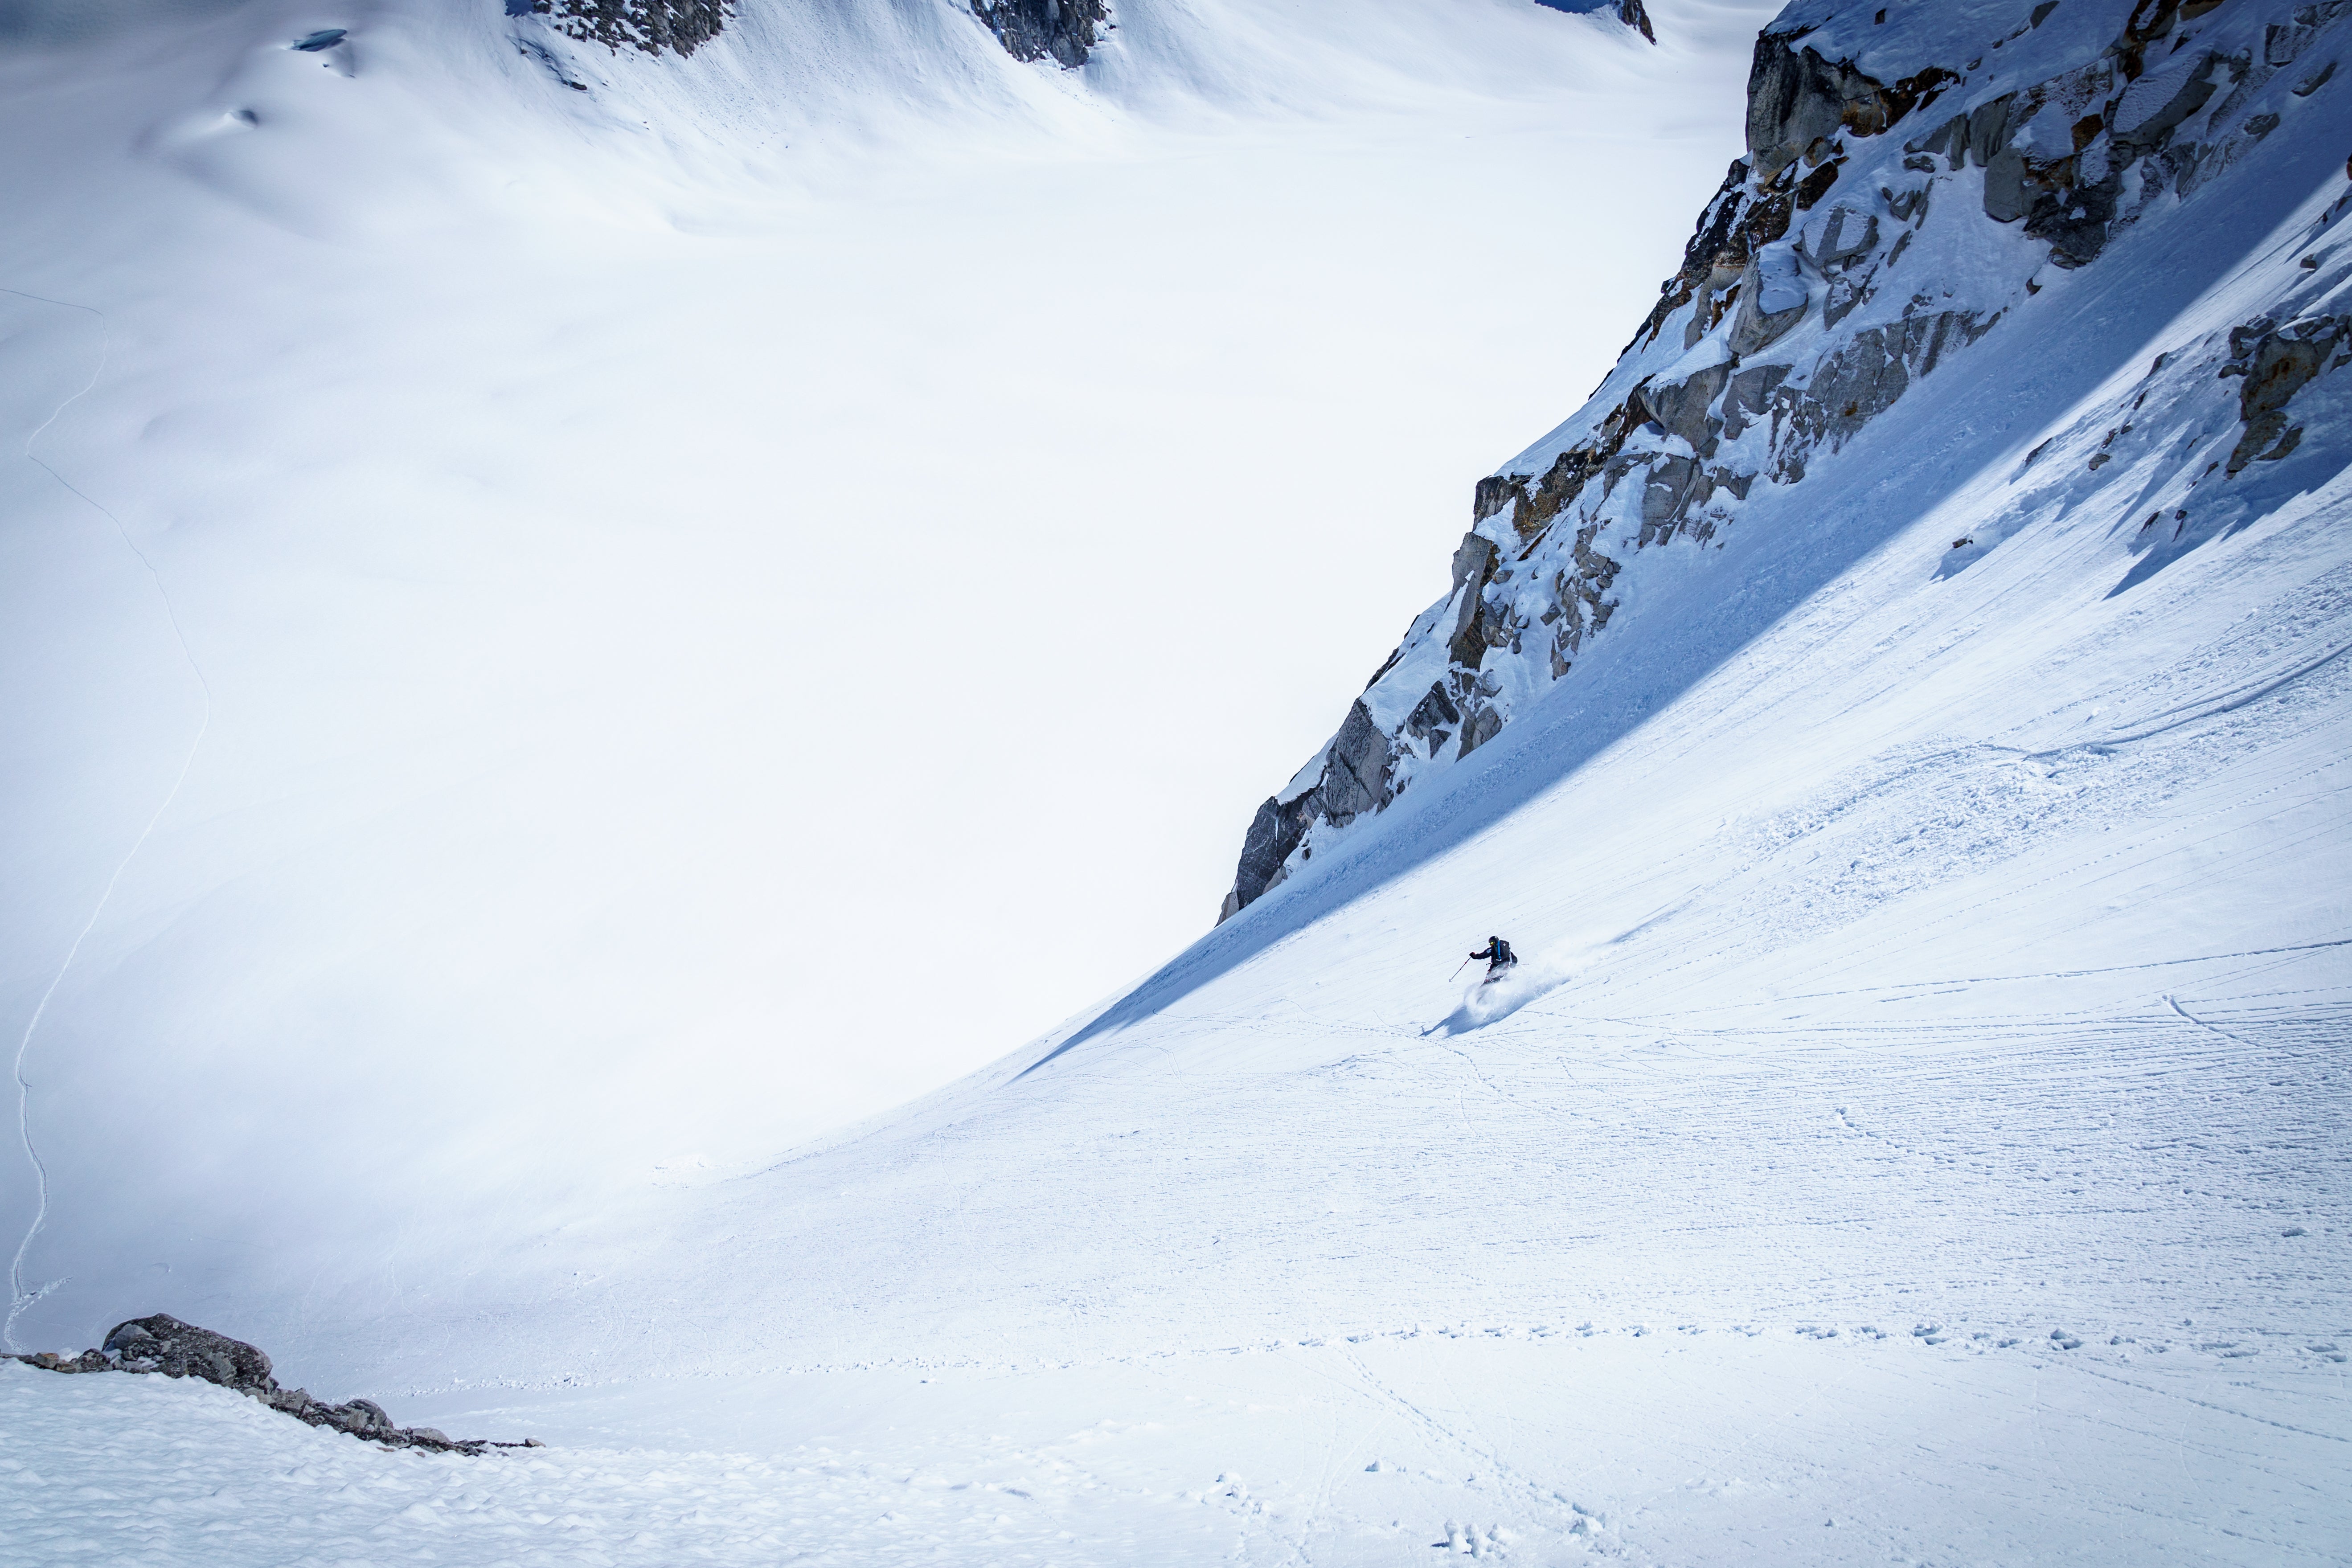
[{"x": 1498, "y": 956}]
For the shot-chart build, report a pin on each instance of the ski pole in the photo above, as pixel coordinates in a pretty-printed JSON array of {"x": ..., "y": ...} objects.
[{"x": 1457, "y": 971}]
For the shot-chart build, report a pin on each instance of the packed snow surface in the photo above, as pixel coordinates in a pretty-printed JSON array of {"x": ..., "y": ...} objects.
[{"x": 1917, "y": 1132}]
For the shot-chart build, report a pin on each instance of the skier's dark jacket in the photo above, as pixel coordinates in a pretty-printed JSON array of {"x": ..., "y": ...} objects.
[{"x": 1497, "y": 955}]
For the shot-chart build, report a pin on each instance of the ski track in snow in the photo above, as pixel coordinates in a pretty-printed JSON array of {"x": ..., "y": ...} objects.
[{"x": 22, "y": 1297}]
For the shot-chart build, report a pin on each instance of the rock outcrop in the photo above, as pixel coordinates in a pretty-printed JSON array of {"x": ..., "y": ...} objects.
[
  {"x": 162, "y": 1343},
  {"x": 1822, "y": 281},
  {"x": 1064, "y": 31},
  {"x": 679, "y": 27},
  {"x": 2279, "y": 361},
  {"x": 1630, "y": 12}
]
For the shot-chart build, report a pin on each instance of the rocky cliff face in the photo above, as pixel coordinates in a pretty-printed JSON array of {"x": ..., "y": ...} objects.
[
  {"x": 1911, "y": 173},
  {"x": 1061, "y": 30},
  {"x": 681, "y": 26}
]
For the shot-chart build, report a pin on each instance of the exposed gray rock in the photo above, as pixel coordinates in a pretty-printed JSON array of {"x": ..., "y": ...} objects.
[
  {"x": 2073, "y": 157},
  {"x": 2074, "y": 223},
  {"x": 360, "y": 1417},
  {"x": 1850, "y": 232},
  {"x": 1356, "y": 770},
  {"x": 2277, "y": 363},
  {"x": 1680, "y": 408},
  {"x": 1718, "y": 249},
  {"x": 1665, "y": 494},
  {"x": 2145, "y": 120},
  {"x": 1064, "y": 31},
  {"x": 1988, "y": 129},
  {"x": 1750, "y": 395},
  {"x": 163, "y": 1345},
  {"x": 1796, "y": 100},
  {"x": 681, "y": 26},
  {"x": 1474, "y": 564},
  {"x": 1950, "y": 141},
  {"x": 1433, "y": 719},
  {"x": 2006, "y": 199},
  {"x": 1532, "y": 512},
  {"x": 1773, "y": 297},
  {"x": 1630, "y": 12},
  {"x": 1274, "y": 833},
  {"x": 1474, "y": 561},
  {"x": 1862, "y": 381},
  {"x": 1483, "y": 726},
  {"x": 1492, "y": 495}
]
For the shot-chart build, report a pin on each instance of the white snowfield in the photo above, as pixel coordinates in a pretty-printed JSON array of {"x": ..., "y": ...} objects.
[
  {"x": 576, "y": 579},
  {"x": 1917, "y": 1133}
]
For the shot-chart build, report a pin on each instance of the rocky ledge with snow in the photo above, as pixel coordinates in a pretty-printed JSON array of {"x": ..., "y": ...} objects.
[
  {"x": 1912, "y": 172},
  {"x": 1064, "y": 31},
  {"x": 162, "y": 1343},
  {"x": 652, "y": 26},
  {"x": 1632, "y": 13}
]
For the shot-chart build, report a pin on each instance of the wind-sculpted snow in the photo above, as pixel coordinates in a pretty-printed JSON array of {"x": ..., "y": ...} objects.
[{"x": 1878, "y": 227}]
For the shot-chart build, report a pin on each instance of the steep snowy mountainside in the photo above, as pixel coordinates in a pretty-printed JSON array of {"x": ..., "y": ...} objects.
[
  {"x": 1967, "y": 768},
  {"x": 1917, "y": 1132},
  {"x": 525, "y": 604},
  {"x": 1930, "y": 1058},
  {"x": 1907, "y": 183}
]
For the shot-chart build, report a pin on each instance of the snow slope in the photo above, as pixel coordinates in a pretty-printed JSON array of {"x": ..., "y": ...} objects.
[
  {"x": 1918, "y": 1133},
  {"x": 525, "y": 604}
]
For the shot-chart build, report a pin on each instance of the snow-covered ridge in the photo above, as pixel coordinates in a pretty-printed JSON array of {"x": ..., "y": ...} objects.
[
  {"x": 1062, "y": 30},
  {"x": 1632, "y": 13},
  {"x": 1912, "y": 173}
]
